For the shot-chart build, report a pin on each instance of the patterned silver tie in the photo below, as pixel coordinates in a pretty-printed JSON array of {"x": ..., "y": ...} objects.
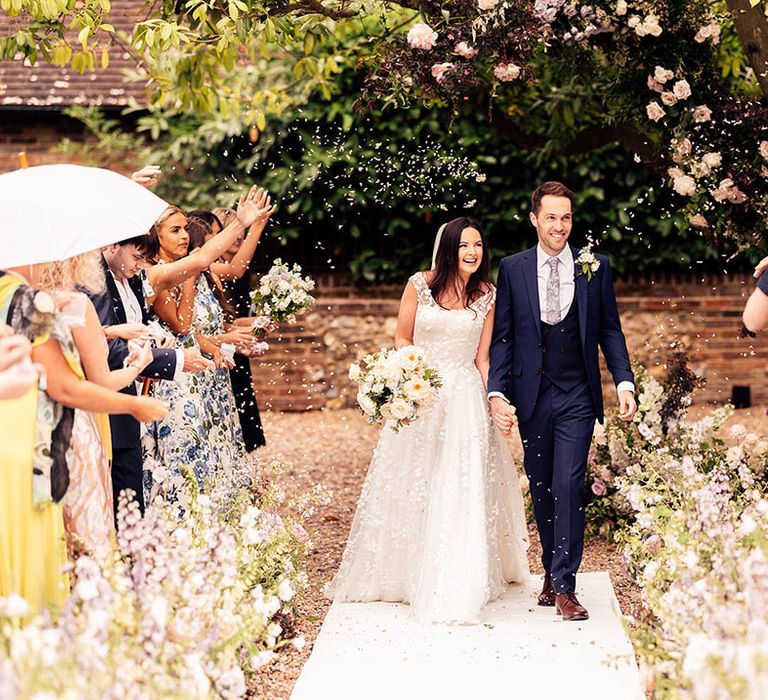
[{"x": 552, "y": 309}]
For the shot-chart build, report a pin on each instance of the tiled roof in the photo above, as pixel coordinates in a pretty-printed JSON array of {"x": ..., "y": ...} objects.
[{"x": 44, "y": 86}]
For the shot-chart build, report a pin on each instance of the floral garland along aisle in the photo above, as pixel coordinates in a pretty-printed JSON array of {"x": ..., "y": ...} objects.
[
  {"x": 184, "y": 608},
  {"x": 690, "y": 514}
]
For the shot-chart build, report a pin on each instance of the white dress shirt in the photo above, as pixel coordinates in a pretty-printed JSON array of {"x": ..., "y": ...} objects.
[
  {"x": 567, "y": 271},
  {"x": 567, "y": 280},
  {"x": 133, "y": 315}
]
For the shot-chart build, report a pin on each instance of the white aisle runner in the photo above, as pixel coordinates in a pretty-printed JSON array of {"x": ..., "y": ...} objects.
[{"x": 376, "y": 650}]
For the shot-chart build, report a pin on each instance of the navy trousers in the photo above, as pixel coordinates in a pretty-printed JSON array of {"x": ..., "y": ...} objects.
[
  {"x": 556, "y": 443},
  {"x": 127, "y": 473}
]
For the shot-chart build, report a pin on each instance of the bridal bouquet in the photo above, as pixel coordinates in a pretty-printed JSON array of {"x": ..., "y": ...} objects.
[
  {"x": 395, "y": 385},
  {"x": 282, "y": 295}
]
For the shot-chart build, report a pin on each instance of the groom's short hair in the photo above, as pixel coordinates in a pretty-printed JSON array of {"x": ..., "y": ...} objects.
[{"x": 553, "y": 188}]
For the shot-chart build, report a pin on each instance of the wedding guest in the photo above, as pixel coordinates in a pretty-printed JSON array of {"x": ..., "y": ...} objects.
[
  {"x": 89, "y": 511},
  {"x": 35, "y": 474},
  {"x": 17, "y": 374},
  {"x": 200, "y": 431},
  {"x": 122, "y": 309},
  {"x": 232, "y": 268},
  {"x": 755, "y": 316}
]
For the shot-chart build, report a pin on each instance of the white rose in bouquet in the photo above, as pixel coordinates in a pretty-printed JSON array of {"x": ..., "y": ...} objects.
[
  {"x": 402, "y": 409},
  {"x": 395, "y": 385}
]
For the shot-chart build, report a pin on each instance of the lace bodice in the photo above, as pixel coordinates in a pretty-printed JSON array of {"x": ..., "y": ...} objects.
[{"x": 449, "y": 336}]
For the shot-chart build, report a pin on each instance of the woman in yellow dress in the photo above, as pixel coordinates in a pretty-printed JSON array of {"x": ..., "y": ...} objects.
[{"x": 35, "y": 449}]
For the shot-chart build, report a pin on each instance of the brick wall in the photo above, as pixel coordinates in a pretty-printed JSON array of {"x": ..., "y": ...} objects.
[
  {"x": 36, "y": 133},
  {"x": 307, "y": 364}
]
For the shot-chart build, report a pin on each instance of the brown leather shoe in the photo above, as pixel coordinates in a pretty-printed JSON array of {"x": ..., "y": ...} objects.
[
  {"x": 547, "y": 595},
  {"x": 568, "y": 606}
]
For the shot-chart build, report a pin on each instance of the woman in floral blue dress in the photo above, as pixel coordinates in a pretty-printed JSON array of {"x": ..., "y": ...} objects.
[{"x": 201, "y": 434}]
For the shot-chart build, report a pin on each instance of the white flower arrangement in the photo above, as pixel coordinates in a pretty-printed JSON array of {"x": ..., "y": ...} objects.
[
  {"x": 182, "y": 608},
  {"x": 395, "y": 385},
  {"x": 587, "y": 262},
  {"x": 281, "y": 296}
]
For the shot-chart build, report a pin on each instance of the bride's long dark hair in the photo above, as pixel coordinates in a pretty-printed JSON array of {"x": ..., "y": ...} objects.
[{"x": 446, "y": 272}]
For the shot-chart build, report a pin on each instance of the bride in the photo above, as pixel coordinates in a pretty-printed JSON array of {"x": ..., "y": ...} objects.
[{"x": 440, "y": 523}]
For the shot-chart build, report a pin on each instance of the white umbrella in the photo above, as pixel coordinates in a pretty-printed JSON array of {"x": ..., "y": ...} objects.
[{"x": 52, "y": 212}]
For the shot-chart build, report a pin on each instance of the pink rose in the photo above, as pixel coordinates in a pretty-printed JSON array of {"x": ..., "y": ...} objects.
[
  {"x": 464, "y": 50},
  {"x": 422, "y": 36},
  {"x": 655, "y": 111},
  {"x": 668, "y": 98},
  {"x": 654, "y": 84},
  {"x": 727, "y": 191},
  {"x": 682, "y": 150},
  {"x": 662, "y": 75},
  {"x": 598, "y": 488},
  {"x": 681, "y": 90},
  {"x": 712, "y": 160},
  {"x": 440, "y": 70},
  {"x": 763, "y": 149},
  {"x": 708, "y": 31},
  {"x": 701, "y": 114},
  {"x": 684, "y": 185},
  {"x": 698, "y": 221},
  {"x": 484, "y": 5},
  {"x": 507, "y": 72}
]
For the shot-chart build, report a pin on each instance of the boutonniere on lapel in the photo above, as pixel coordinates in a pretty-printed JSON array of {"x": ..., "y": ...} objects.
[{"x": 587, "y": 264}]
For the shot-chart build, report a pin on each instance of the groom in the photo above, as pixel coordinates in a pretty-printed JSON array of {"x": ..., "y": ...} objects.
[{"x": 551, "y": 315}]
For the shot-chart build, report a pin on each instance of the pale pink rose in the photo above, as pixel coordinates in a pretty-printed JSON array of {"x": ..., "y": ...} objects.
[
  {"x": 507, "y": 72},
  {"x": 633, "y": 21},
  {"x": 682, "y": 150},
  {"x": 763, "y": 148},
  {"x": 484, "y": 5},
  {"x": 712, "y": 160},
  {"x": 654, "y": 84},
  {"x": 709, "y": 31},
  {"x": 682, "y": 90},
  {"x": 598, "y": 488},
  {"x": 675, "y": 172},
  {"x": 698, "y": 221},
  {"x": 464, "y": 50},
  {"x": 422, "y": 36},
  {"x": 655, "y": 111},
  {"x": 440, "y": 71},
  {"x": 701, "y": 114},
  {"x": 662, "y": 75},
  {"x": 668, "y": 98},
  {"x": 651, "y": 26},
  {"x": 684, "y": 185},
  {"x": 621, "y": 8},
  {"x": 727, "y": 191}
]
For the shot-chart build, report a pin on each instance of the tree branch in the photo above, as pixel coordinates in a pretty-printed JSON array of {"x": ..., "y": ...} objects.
[
  {"x": 584, "y": 141},
  {"x": 752, "y": 28}
]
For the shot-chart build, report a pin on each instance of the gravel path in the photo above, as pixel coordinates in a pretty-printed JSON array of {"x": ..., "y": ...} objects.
[{"x": 334, "y": 448}]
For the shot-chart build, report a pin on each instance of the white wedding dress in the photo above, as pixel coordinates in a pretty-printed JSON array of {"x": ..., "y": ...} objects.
[{"x": 440, "y": 523}]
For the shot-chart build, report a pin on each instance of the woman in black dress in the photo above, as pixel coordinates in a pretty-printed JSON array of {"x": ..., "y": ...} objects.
[{"x": 232, "y": 270}]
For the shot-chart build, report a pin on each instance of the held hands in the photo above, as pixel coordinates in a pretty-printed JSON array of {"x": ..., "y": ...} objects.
[
  {"x": 503, "y": 415},
  {"x": 255, "y": 209},
  {"x": 627, "y": 405}
]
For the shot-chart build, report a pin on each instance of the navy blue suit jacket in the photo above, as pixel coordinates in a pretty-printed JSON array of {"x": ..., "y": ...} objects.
[
  {"x": 109, "y": 307},
  {"x": 516, "y": 350}
]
